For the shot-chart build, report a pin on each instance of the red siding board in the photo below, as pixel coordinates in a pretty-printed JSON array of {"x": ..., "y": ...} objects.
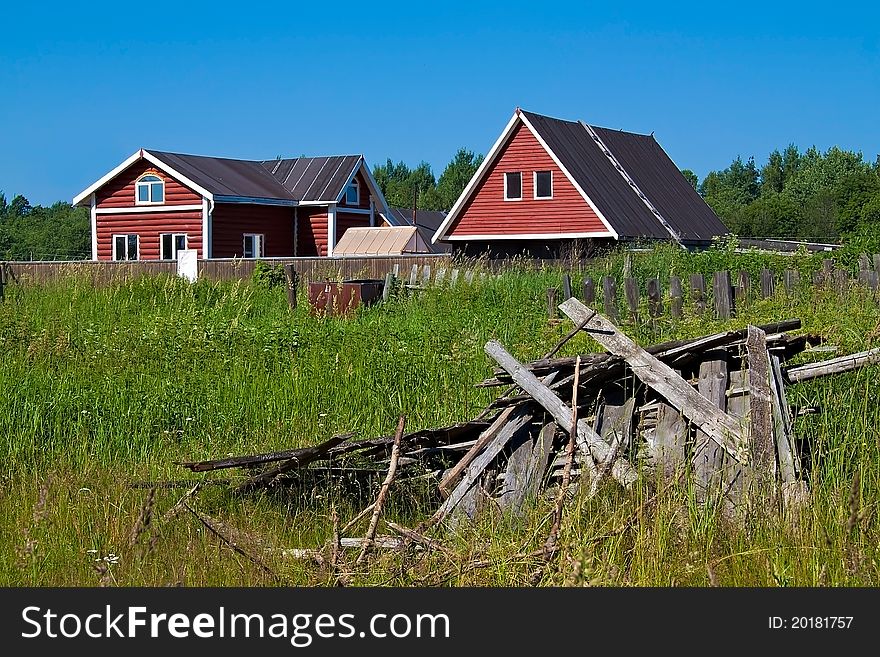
[
  {"x": 487, "y": 213},
  {"x": 148, "y": 226},
  {"x": 312, "y": 232},
  {"x": 231, "y": 221},
  {"x": 120, "y": 192}
]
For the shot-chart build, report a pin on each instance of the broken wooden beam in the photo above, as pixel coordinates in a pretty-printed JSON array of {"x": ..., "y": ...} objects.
[
  {"x": 299, "y": 454},
  {"x": 833, "y": 366},
  {"x": 761, "y": 438},
  {"x": 718, "y": 425}
]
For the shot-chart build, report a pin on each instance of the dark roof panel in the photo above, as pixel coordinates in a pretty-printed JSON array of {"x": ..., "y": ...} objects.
[{"x": 645, "y": 163}]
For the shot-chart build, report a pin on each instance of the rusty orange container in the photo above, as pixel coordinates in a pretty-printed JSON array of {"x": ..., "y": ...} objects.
[{"x": 341, "y": 298}]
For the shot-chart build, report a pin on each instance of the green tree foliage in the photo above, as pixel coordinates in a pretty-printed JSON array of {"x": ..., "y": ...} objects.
[
  {"x": 691, "y": 177},
  {"x": 399, "y": 183},
  {"x": 57, "y": 232}
]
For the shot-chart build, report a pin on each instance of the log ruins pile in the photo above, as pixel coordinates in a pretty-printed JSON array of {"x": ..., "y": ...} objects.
[{"x": 711, "y": 412}]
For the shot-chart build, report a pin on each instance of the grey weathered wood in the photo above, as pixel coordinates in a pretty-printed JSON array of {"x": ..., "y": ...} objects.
[
  {"x": 761, "y": 440},
  {"x": 670, "y": 438},
  {"x": 782, "y": 423},
  {"x": 589, "y": 290},
  {"x": 708, "y": 455},
  {"x": 841, "y": 280},
  {"x": 440, "y": 277},
  {"x": 874, "y": 280},
  {"x": 551, "y": 302},
  {"x": 675, "y": 295},
  {"x": 454, "y": 278},
  {"x": 426, "y": 275},
  {"x": 566, "y": 286},
  {"x": 396, "y": 270},
  {"x": 609, "y": 297},
  {"x": 631, "y": 292},
  {"x": 791, "y": 280},
  {"x": 698, "y": 293},
  {"x": 513, "y": 489},
  {"x": 832, "y": 366},
  {"x": 589, "y": 442},
  {"x": 617, "y": 421},
  {"x": 292, "y": 285},
  {"x": 864, "y": 262},
  {"x": 742, "y": 289},
  {"x": 864, "y": 277},
  {"x": 452, "y": 475},
  {"x": 725, "y": 430},
  {"x": 386, "y": 289},
  {"x": 655, "y": 299},
  {"x": 414, "y": 275},
  {"x": 876, "y": 260},
  {"x": 767, "y": 283},
  {"x": 827, "y": 271},
  {"x": 519, "y": 421},
  {"x": 734, "y": 475},
  {"x": 537, "y": 466},
  {"x": 721, "y": 290},
  {"x": 469, "y": 276}
]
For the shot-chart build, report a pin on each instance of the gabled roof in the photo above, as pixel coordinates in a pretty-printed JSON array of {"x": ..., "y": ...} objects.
[
  {"x": 627, "y": 178},
  {"x": 363, "y": 241},
  {"x": 309, "y": 180},
  {"x": 430, "y": 219}
]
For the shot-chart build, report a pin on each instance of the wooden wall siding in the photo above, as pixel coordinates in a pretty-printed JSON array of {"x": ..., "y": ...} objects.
[
  {"x": 364, "y": 194},
  {"x": 148, "y": 226},
  {"x": 345, "y": 221},
  {"x": 120, "y": 192},
  {"x": 230, "y": 222},
  {"x": 487, "y": 213},
  {"x": 312, "y": 232}
]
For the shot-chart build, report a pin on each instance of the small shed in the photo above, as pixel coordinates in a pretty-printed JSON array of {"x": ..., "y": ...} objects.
[{"x": 381, "y": 241}]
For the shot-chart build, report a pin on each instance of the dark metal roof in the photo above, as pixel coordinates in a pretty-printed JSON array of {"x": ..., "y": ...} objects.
[
  {"x": 644, "y": 162},
  {"x": 298, "y": 179},
  {"x": 427, "y": 223}
]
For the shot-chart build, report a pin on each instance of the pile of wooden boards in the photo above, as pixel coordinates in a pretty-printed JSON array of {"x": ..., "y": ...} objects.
[{"x": 711, "y": 412}]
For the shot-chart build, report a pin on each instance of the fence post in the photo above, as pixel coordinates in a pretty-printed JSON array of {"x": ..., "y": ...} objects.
[
  {"x": 454, "y": 278},
  {"x": 631, "y": 292},
  {"x": 741, "y": 292},
  {"x": 864, "y": 262},
  {"x": 675, "y": 296},
  {"x": 721, "y": 289},
  {"x": 698, "y": 293},
  {"x": 828, "y": 271},
  {"x": 292, "y": 285},
  {"x": 589, "y": 291},
  {"x": 609, "y": 294},
  {"x": 791, "y": 279},
  {"x": 386, "y": 291},
  {"x": 414, "y": 276},
  {"x": 841, "y": 280},
  {"x": 426, "y": 275},
  {"x": 877, "y": 262},
  {"x": 566, "y": 286},
  {"x": 551, "y": 302},
  {"x": 655, "y": 300},
  {"x": 767, "y": 283}
]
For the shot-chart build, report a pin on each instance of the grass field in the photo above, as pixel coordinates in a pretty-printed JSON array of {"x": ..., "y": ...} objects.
[{"x": 105, "y": 387}]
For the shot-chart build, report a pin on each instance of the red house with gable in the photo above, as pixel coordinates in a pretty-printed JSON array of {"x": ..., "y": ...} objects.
[
  {"x": 155, "y": 204},
  {"x": 548, "y": 182}
]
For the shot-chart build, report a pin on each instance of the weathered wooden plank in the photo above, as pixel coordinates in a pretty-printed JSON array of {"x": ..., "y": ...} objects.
[
  {"x": 303, "y": 459},
  {"x": 589, "y": 291},
  {"x": 864, "y": 262},
  {"x": 519, "y": 421},
  {"x": 832, "y": 366},
  {"x": 302, "y": 455},
  {"x": 698, "y": 293},
  {"x": 440, "y": 277},
  {"x": 670, "y": 438},
  {"x": 566, "y": 286},
  {"x": 795, "y": 491},
  {"x": 876, "y": 259},
  {"x": 551, "y": 302},
  {"x": 743, "y": 288},
  {"x": 609, "y": 297},
  {"x": 454, "y": 278},
  {"x": 469, "y": 276},
  {"x": 631, "y": 292},
  {"x": 426, "y": 275},
  {"x": 841, "y": 280},
  {"x": 617, "y": 420},
  {"x": 655, "y": 299},
  {"x": 708, "y": 455},
  {"x": 762, "y": 443},
  {"x": 414, "y": 275},
  {"x": 386, "y": 289},
  {"x": 589, "y": 442},
  {"x": 721, "y": 291},
  {"x": 676, "y": 296},
  {"x": 537, "y": 466},
  {"x": 768, "y": 283},
  {"x": 791, "y": 280},
  {"x": 725, "y": 430},
  {"x": 513, "y": 489}
]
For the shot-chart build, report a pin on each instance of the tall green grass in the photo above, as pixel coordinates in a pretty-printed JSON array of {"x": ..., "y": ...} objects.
[{"x": 105, "y": 386}]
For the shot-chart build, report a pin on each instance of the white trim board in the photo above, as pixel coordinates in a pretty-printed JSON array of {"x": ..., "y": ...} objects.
[
  {"x": 530, "y": 236},
  {"x": 137, "y": 209},
  {"x": 93, "y": 221}
]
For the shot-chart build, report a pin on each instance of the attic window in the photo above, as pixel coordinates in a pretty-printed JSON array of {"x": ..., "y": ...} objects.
[
  {"x": 543, "y": 184},
  {"x": 150, "y": 189},
  {"x": 353, "y": 193},
  {"x": 513, "y": 186}
]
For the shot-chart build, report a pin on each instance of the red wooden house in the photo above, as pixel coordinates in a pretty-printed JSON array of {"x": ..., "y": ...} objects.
[
  {"x": 155, "y": 204},
  {"x": 547, "y": 182}
]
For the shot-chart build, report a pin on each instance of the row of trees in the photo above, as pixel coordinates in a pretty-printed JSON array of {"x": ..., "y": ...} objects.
[
  {"x": 808, "y": 195},
  {"x": 57, "y": 232}
]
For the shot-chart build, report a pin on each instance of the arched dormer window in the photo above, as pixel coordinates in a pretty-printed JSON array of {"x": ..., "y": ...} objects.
[
  {"x": 149, "y": 189},
  {"x": 353, "y": 193}
]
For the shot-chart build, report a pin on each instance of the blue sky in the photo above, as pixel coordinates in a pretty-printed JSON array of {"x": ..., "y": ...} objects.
[{"x": 84, "y": 87}]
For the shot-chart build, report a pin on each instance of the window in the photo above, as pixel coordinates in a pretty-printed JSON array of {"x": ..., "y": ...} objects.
[
  {"x": 150, "y": 189},
  {"x": 543, "y": 184},
  {"x": 353, "y": 193},
  {"x": 170, "y": 244},
  {"x": 253, "y": 246},
  {"x": 513, "y": 186},
  {"x": 125, "y": 247}
]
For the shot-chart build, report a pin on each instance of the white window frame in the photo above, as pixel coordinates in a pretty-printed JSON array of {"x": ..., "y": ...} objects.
[
  {"x": 520, "y": 197},
  {"x": 535, "y": 185},
  {"x": 174, "y": 249},
  {"x": 357, "y": 192},
  {"x": 260, "y": 240},
  {"x": 149, "y": 185},
  {"x": 113, "y": 254}
]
